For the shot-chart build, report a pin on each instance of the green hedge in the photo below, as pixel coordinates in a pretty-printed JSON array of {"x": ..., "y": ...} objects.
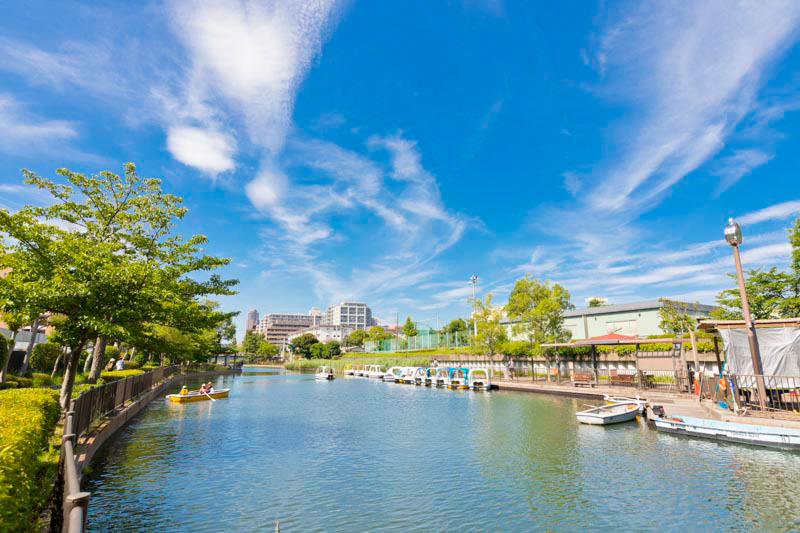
[
  {"x": 44, "y": 356},
  {"x": 114, "y": 375},
  {"x": 27, "y": 422}
]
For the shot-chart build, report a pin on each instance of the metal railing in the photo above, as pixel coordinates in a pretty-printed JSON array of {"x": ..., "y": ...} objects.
[
  {"x": 84, "y": 410},
  {"x": 782, "y": 393}
]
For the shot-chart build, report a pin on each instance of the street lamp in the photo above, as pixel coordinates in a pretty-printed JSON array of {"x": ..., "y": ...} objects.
[
  {"x": 474, "y": 280},
  {"x": 733, "y": 236}
]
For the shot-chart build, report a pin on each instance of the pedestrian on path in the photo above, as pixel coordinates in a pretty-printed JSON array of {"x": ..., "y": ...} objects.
[{"x": 511, "y": 372}]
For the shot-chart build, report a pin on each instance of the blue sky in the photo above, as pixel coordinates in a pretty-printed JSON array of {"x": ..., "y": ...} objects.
[{"x": 387, "y": 151}]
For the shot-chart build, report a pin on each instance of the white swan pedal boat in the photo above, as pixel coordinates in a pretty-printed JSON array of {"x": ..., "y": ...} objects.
[
  {"x": 324, "y": 373},
  {"x": 609, "y": 414}
]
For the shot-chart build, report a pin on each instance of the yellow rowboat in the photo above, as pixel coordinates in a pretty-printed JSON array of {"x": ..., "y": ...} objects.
[{"x": 197, "y": 397}]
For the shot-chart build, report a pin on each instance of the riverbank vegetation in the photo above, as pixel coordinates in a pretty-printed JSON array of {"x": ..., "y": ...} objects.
[
  {"x": 339, "y": 364},
  {"x": 27, "y": 458}
]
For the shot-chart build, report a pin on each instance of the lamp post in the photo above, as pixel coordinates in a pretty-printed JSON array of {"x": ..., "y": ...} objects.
[
  {"x": 733, "y": 235},
  {"x": 474, "y": 280}
]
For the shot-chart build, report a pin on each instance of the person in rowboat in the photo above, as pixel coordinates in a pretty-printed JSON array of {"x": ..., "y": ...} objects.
[{"x": 209, "y": 388}]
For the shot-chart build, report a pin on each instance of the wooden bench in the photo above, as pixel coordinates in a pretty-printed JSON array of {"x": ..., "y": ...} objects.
[
  {"x": 582, "y": 378},
  {"x": 621, "y": 379}
]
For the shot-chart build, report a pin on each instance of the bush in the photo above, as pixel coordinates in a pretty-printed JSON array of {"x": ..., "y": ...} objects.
[
  {"x": 516, "y": 348},
  {"x": 22, "y": 382},
  {"x": 42, "y": 380},
  {"x": 44, "y": 356},
  {"x": 132, "y": 365},
  {"x": 27, "y": 422},
  {"x": 114, "y": 375}
]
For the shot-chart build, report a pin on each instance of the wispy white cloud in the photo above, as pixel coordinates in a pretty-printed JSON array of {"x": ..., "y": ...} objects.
[
  {"x": 207, "y": 150},
  {"x": 734, "y": 167},
  {"x": 779, "y": 211}
]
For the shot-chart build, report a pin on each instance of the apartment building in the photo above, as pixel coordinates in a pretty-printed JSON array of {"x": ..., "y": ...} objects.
[
  {"x": 354, "y": 314},
  {"x": 276, "y": 327},
  {"x": 325, "y": 333}
]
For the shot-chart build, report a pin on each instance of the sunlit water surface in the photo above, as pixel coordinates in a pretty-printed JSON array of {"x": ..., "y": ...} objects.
[{"x": 361, "y": 455}]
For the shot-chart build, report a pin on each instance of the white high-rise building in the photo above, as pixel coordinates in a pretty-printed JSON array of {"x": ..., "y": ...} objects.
[{"x": 353, "y": 314}]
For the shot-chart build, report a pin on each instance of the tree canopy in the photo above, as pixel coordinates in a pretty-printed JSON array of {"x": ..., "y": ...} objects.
[
  {"x": 491, "y": 333},
  {"x": 302, "y": 344},
  {"x": 538, "y": 309},
  {"x": 357, "y": 337},
  {"x": 102, "y": 259},
  {"x": 409, "y": 328}
]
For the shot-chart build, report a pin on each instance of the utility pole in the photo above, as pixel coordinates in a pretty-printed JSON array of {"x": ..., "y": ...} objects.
[
  {"x": 733, "y": 234},
  {"x": 474, "y": 280}
]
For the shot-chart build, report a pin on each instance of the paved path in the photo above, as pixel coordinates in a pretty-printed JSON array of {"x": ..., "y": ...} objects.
[{"x": 675, "y": 403}]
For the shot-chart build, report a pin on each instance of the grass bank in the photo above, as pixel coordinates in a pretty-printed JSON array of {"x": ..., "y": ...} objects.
[
  {"x": 339, "y": 364},
  {"x": 28, "y": 459}
]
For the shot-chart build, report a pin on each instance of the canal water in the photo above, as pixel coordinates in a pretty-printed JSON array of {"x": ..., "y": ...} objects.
[{"x": 362, "y": 455}]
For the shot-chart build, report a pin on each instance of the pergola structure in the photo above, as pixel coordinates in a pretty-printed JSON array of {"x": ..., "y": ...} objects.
[{"x": 615, "y": 339}]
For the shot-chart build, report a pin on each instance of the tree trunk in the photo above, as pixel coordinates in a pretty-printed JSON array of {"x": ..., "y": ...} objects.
[
  {"x": 69, "y": 374},
  {"x": 55, "y": 366},
  {"x": 88, "y": 362},
  {"x": 98, "y": 358},
  {"x": 11, "y": 343},
  {"x": 27, "y": 360}
]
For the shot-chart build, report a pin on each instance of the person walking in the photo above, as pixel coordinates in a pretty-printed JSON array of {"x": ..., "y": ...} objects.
[{"x": 512, "y": 374}]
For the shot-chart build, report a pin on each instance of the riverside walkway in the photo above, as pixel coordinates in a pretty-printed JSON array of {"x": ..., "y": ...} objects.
[{"x": 675, "y": 403}]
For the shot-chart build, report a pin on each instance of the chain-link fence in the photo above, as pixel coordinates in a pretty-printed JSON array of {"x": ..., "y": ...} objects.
[{"x": 425, "y": 341}]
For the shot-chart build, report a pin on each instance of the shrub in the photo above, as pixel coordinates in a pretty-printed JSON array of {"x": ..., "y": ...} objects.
[
  {"x": 44, "y": 356},
  {"x": 516, "y": 349},
  {"x": 22, "y": 382},
  {"x": 9, "y": 385},
  {"x": 132, "y": 365},
  {"x": 42, "y": 380},
  {"x": 27, "y": 421},
  {"x": 114, "y": 375}
]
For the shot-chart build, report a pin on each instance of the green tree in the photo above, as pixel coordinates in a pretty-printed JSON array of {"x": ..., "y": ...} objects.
[
  {"x": 303, "y": 343},
  {"x": 333, "y": 349},
  {"x": 251, "y": 342},
  {"x": 538, "y": 309},
  {"x": 409, "y": 329},
  {"x": 675, "y": 317},
  {"x": 767, "y": 295},
  {"x": 491, "y": 333},
  {"x": 357, "y": 337},
  {"x": 595, "y": 302},
  {"x": 318, "y": 351},
  {"x": 44, "y": 356},
  {"x": 267, "y": 350},
  {"x": 103, "y": 260},
  {"x": 455, "y": 326}
]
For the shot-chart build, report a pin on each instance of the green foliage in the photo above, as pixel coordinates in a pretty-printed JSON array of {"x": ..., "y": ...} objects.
[
  {"x": 454, "y": 326},
  {"x": 675, "y": 316},
  {"x": 328, "y": 350},
  {"x": 44, "y": 356},
  {"x": 409, "y": 329},
  {"x": 770, "y": 294},
  {"x": 377, "y": 334},
  {"x": 267, "y": 350},
  {"x": 42, "y": 380},
  {"x": 594, "y": 302},
  {"x": 27, "y": 421},
  {"x": 339, "y": 364},
  {"x": 112, "y": 352},
  {"x": 101, "y": 257},
  {"x": 114, "y": 375},
  {"x": 251, "y": 342},
  {"x": 132, "y": 365},
  {"x": 302, "y": 344},
  {"x": 357, "y": 338},
  {"x": 491, "y": 334},
  {"x": 516, "y": 349},
  {"x": 538, "y": 309}
]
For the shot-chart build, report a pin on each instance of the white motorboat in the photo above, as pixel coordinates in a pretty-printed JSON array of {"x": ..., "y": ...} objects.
[
  {"x": 772, "y": 437},
  {"x": 375, "y": 371},
  {"x": 349, "y": 370},
  {"x": 609, "y": 414},
  {"x": 324, "y": 373},
  {"x": 419, "y": 376},
  {"x": 359, "y": 370},
  {"x": 458, "y": 378},
  {"x": 608, "y": 398},
  {"x": 430, "y": 377},
  {"x": 393, "y": 374},
  {"x": 479, "y": 379},
  {"x": 442, "y": 377}
]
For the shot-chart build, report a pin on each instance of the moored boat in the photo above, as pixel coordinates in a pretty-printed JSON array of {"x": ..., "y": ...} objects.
[
  {"x": 408, "y": 374},
  {"x": 393, "y": 374},
  {"x": 324, "y": 373},
  {"x": 609, "y": 414},
  {"x": 375, "y": 371},
  {"x": 430, "y": 377},
  {"x": 479, "y": 379},
  {"x": 624, "y": 399},
  {"x": 349, "y": 370},
  {"x": 442, "y": 377},
  {"x": 755, "y": 435},
  {"x": 195, "y": 396},
  {"x": 458, "y": 378},
  {"x": 359, "y": 370}
]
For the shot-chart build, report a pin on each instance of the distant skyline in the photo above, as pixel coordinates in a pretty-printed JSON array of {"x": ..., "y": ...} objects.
[{"x": 385, "y": 152}]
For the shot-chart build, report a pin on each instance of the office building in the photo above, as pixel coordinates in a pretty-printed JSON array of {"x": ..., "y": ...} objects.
[
  {"x": 252, "y": 320},
  {"x": 354, "y": 314}
]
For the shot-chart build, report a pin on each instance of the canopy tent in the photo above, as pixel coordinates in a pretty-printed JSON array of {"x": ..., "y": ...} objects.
[{"x": 778, "y": 344}]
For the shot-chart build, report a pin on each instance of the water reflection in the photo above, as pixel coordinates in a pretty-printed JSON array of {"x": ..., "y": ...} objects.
[{"x": 357, "y": 455}]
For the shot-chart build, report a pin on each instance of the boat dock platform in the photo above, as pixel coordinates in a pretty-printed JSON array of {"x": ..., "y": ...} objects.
[{"x": 675, "y": 403}]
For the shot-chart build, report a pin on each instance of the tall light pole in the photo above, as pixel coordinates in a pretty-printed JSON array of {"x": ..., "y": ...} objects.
[
  {"x": 474, "y": 280},
  {"x": 733, "y": 235}
]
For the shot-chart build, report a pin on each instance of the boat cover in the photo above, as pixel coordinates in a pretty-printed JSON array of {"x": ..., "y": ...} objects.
[{"x": 779, "y": 347}]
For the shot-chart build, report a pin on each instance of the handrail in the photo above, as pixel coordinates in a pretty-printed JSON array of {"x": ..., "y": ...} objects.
[{"x": 89, "y": 406}]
